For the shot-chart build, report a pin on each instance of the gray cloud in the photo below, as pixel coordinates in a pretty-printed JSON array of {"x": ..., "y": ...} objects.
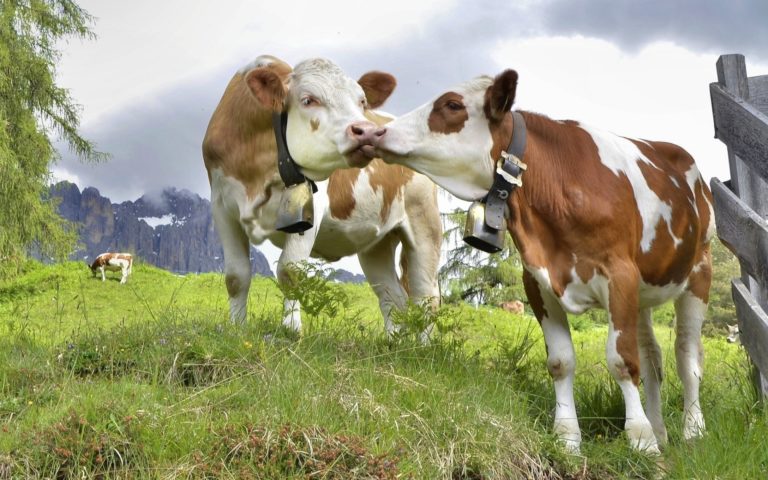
[
  {"x": 711, "y": 26},
  {"x": 156, "y": 141}
]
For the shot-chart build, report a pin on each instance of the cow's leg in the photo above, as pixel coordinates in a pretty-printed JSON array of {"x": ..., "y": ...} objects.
[
  {"x": 561, "y": 360},
  {"x": 378, "y": 264},
  {"x": 237, "y": 261},
  {"x": 124, "y": 271},
  {"x": 689, "y": 352},
  {"x": 296, "y": 250},
  {"x": 652, "y": 373},
  {"x": 103, "y": 273},
  {"x": 622, "y": 355},
  {"x": 420, "y": 260}
]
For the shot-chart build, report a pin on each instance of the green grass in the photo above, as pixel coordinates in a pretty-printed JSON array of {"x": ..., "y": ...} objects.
[{"x": 149, "y": 380}]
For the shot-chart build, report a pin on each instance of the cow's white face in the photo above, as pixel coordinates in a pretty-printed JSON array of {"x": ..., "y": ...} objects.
[
  {"x": 327, "y": 128},
  {"x": 450, "y": 139}
]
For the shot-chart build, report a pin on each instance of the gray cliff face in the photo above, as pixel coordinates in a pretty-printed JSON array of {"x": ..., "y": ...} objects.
[{"x": 172, "y": 230}]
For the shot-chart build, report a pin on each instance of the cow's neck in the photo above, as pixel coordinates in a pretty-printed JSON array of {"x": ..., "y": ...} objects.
[{"x": 539, "y": 210}]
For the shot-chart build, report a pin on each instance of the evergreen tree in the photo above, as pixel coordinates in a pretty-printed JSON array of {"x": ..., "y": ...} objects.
[
  {"x": 475, "y": 276},
  {"x": 32, "y": 110}
]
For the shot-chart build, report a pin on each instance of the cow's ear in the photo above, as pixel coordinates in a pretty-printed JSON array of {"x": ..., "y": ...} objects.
[
  {"x": 267, "y": 87},
  {"x": 378, "y": 86},
  {"x": 501, "y": 95}
]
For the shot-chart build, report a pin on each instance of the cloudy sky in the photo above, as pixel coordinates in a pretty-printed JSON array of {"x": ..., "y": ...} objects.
[{"x": 151, "y": 80}]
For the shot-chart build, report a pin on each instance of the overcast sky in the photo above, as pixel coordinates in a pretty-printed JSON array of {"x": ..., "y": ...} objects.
[{"x": 151, "y": 80}]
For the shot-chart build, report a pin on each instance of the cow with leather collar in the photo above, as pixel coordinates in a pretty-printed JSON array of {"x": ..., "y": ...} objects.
[
  {"x": 600, "y": 221},
  {"x": 367, "y": 210}
]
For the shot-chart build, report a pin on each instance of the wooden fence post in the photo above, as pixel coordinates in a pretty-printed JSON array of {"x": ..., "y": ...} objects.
[{"x": 749, "y": 187}]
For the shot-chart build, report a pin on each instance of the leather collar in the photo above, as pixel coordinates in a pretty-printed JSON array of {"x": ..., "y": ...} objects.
[
  {"x": 286, "y": 165},
  {"x": 509, "y": 172}
]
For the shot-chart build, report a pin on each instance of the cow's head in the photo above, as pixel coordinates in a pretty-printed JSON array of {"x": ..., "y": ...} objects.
[
  {"x": 327, "y": 125},
  {"x": 456, "y": 138}
]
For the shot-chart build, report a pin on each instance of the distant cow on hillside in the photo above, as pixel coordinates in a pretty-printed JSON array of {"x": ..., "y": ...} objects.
[
  {"x": 113, "y": 262},
  {"x": 515, "y": 306}
]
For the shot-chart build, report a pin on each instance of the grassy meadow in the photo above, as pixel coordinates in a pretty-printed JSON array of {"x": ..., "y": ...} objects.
[{"x": 149, "y": 380}]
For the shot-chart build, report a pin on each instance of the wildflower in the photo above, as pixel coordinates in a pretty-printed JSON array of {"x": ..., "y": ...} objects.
[{"x": 247, "y": 345}]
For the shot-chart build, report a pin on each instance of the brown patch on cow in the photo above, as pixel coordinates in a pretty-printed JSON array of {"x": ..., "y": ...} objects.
[
  {"x": 448, "y": 114},
  {"x": 341, "y": 187},
  {"x": 378, "y": 86},
  {"x": 501, "y": 133},
  {"x": 404, "y": 274},
  {"x": 623, "y": 303},
  {"x": 534, "y": 295},
  {"x": 267, "y": 87},
  {"x": 500, "y": 96},
  {"x": 700, "y": 280},
  {"x": 314, "y": 124},
  {"x": 585, "y": 271},
  {"x": 667, "y": 262},
  {"x": 239, "y": 139},
  {"x": 390, "y": 179}
]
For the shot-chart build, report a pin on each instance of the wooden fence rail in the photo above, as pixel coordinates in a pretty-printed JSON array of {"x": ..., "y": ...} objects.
[{"x": 740, "y": 113}]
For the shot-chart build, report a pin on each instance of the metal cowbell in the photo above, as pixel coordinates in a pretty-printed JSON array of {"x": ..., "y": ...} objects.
[
  {"x": 296, "y": 211},
  {"x": 478, "y": 234}
]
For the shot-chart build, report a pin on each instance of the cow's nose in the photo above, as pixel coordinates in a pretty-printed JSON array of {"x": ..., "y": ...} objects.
[{"x": 366, "y": 132}]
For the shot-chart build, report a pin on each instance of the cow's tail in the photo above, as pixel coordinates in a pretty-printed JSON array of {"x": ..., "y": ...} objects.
[{"x": 404, "y": 272}]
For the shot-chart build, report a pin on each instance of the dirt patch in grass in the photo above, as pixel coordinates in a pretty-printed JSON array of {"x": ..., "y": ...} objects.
[
  {"x": 75, "y": 447},
  {"x": 294, "y": 452}
]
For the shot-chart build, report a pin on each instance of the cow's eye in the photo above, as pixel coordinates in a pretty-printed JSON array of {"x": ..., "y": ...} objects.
[
  {"x": 309, "y": 100},
  {"x": 363, "y": 103},
  {"x": 454, "y": 105}
]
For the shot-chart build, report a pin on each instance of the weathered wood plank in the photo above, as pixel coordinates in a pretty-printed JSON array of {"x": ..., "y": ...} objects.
[
  {"x": 732, "y": 75},
  {"x": 742, "y": 127},
  {"x": 742, "y": 230},
  {"x": 753, "y": 325},
  {"x": 758, "y": 92}
]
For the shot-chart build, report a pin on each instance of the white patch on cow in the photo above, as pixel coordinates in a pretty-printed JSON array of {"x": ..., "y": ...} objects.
[
  {"x": 655, "y": 295},
  {"x": 674, "y": 181},
  {"x": 579, "y": 296},
  {"x": 621, "y": 156},
  {"x": 469, "y": 174}
]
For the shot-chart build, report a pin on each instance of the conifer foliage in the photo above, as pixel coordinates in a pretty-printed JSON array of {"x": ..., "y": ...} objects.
[{"x": 34, "y": 112}]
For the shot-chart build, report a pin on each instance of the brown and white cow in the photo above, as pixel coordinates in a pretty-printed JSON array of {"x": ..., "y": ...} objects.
[
  {"x": 113, "y": 262},
  {"x": 600, "y": 221},
  {"x": 515, "y": 306},
  {"x": 368, "y": 211}
]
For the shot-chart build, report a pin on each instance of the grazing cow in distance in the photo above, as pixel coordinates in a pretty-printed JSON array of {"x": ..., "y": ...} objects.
[
  {"x": 113, "y": 262},
  {"x": 599, "y": 220},
  {"x": 368, "y": 210},
  {"x": 515, "y": 306},
  {"x": 734, "y": 335}
]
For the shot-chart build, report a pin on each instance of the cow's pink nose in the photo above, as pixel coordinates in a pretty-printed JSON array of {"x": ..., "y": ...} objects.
[{"x": 366, "y": 132}]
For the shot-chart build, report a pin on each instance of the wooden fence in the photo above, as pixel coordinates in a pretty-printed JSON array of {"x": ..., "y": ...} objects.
[{"x": 740, "y": 113}]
